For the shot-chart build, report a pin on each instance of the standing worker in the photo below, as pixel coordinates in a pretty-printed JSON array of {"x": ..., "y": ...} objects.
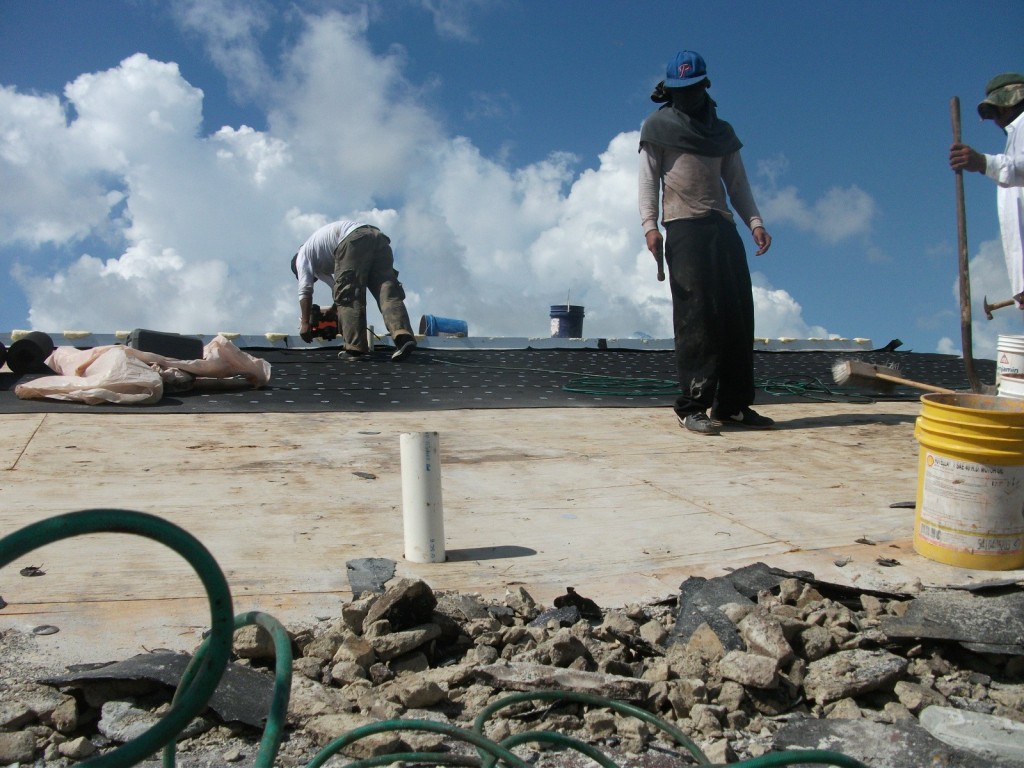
[
  {"x": 1003, "y": 104},
  {"x": 352, "y": 257},
  {"x": 691, "y": 160}
]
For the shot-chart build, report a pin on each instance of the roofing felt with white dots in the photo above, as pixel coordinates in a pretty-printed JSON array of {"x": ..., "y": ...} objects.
[{"x": 316, "y": 379}]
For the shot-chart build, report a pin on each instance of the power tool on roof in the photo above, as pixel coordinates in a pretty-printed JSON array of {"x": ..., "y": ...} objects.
[{"x": 323, "y": 324}]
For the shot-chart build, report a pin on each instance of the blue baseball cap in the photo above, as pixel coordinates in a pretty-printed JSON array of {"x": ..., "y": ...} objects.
[{"x": 685, "y": 69}]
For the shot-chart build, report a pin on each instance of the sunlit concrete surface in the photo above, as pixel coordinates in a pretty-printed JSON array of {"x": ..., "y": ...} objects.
[{"x": 621, "y": 504}]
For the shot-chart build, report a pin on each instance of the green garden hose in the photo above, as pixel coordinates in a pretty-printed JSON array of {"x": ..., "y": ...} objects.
[
  {"x": 194, "y": 700},
  {"x": 203, "y": 673},
  {"x": 273, "y": 732},
  {"x": 481, "y": 742}
]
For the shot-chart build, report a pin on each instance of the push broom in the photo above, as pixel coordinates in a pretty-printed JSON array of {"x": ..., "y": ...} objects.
[
  {"x": 875, "y": 376},
  {"x": 884, "y": 377}
]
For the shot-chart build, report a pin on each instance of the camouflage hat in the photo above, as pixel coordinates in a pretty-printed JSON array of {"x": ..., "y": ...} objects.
[{"x": 1006, "y": 90}]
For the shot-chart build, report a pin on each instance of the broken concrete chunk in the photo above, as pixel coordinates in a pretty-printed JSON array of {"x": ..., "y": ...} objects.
[
  {"x": 253, "y": 642},
  {"x": 356, "y": 649},
  {"x": 534, "y": 677},
  {"x": 310, "y": 699},
  {"x": 901, "y": 745},
  {"x": 997, "y": 739},
  {"x": 816, "y": 642},
  {"x": 17, "y": 747},
  {"x": 763, "y": 634},
  {"x": 916, "y": 697},
  {"x": 750, "y": 669},
  {"x": 461, "y": 607},
  {"x": 406, "y": 603},
  {"x": 851, "y": 673},
  {"x": 395, "y": 644},
  {"x": 122, "y": 721},
  {"x": 77, "y": 749},
  {"x": 326, "y": 728},
  {"x": 521, "y": 601}
]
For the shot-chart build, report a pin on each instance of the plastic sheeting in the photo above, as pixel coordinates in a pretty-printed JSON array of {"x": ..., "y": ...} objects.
[{"x": 122, "y": 375}]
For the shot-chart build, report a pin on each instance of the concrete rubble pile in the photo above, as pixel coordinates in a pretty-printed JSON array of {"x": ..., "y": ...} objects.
[{"x": 742, "y": 669}]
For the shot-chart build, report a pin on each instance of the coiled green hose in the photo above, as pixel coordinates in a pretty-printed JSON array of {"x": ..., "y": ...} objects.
[
  {"x": 273, "y": 732},
  {"x": 209, "y": 672},
  {"x": 202, "y": 675}
]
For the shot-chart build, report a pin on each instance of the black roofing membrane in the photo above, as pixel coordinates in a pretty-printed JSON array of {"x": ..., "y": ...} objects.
[{"x": 316, "y": 380}]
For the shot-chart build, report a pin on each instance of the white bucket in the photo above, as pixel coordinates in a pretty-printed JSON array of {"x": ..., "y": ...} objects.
[
  {"x": 1009, "y": 355},
  {"x": 1011, "y": 385}
]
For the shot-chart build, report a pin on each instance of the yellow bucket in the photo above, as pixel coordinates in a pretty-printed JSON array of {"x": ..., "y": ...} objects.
[{"x": 970, "y": 481}]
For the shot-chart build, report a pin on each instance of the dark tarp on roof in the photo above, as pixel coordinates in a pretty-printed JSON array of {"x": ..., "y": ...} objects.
[{"x": 444, "y": 379}]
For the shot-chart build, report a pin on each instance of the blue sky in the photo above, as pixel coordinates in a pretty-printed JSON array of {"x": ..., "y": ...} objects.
[{"x": 161, "y": 161}]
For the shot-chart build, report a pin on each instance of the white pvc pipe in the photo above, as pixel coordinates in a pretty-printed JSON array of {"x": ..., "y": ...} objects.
[{"x": 422, "y": 512}]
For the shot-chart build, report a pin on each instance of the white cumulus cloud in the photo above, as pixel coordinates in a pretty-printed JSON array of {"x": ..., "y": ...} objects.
[{"x": 199, "y": 227}]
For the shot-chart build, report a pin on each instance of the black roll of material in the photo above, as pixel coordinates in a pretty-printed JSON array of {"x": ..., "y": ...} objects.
[{"x": 28, "y": 354}]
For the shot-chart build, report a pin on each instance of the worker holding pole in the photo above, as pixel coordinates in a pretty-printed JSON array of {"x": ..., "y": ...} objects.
[{"x": 1003, "y": 104}]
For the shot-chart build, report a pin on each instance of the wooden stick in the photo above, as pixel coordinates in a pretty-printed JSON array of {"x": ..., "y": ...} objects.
[
  {"x": 914, "y": 384},
  {"x": 965, "y": 277}
]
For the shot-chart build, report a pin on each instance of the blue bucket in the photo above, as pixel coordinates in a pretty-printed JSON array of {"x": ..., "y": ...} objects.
[
  {"x": 566, "y": 321},
  {"x": 431, "y": 325}
]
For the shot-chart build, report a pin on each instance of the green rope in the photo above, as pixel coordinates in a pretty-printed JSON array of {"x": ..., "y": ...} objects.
[{"x": 193, "y": 701}]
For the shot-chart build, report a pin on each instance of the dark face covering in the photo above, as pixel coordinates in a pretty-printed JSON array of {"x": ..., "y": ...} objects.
[
  {"x": 690, "y": 124},
  {"x": 693, "y": 101}
]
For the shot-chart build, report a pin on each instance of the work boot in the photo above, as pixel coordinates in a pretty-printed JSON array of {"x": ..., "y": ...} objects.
[
  {"x": 404, "y": 345},
  {"x": 698, "y": 422}
]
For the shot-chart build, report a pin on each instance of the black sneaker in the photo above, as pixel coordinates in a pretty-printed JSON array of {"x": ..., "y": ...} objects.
[
  {"x": 403, "y": 349},
  {"x": 698, "y": 422},
  {"x": 747, "y": 417},
  {"x": 349, "y": 356}
]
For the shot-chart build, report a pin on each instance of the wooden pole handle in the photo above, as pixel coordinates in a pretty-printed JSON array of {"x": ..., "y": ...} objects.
[{"x": 965, "y": 275}]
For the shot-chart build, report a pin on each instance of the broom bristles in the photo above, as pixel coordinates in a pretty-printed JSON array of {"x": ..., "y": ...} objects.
[{"x": 855, "y": 373}]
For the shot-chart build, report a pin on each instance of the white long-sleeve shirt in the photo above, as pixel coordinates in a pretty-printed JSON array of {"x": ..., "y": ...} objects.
[
  {"x": 691, "y": 186},
  {"x": 315, "y": 260},
  {"x": 1007, "y": 170}
]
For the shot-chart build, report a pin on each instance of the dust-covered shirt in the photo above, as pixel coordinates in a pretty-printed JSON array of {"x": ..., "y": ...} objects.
[
  {"x": 692, "y": 186},
  {"x": 315, "y": 260}
]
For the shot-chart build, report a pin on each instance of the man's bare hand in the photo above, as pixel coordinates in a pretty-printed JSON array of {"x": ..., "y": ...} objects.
[
  {"x": 763, "y": 240},
  {"x": 963, "y": 158},
  {"x": 656, "y": 245}
]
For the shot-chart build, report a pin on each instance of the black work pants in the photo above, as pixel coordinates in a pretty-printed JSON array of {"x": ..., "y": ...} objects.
[{"x": 712, "y": 314}]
